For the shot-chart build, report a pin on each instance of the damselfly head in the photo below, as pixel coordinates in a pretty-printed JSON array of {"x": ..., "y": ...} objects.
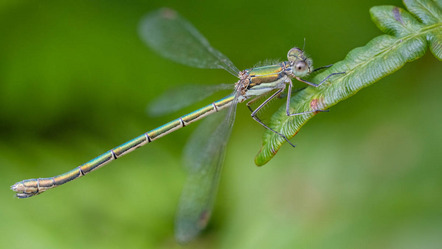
[{"x": 301, "y": 65}]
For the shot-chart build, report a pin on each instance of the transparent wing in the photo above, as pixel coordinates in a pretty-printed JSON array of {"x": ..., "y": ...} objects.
[
  {"x": 182, "y": 96},
  {"x": 175, "y": 38},
  {"x": 203, "y": 156}
]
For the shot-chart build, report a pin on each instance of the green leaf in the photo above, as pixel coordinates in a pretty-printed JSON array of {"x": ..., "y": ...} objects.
[
  {"x": 427, "y": 11},
  {"x": 435, "y": 39},
  {"x": 406, "y": 41},
  {"x": 430, "y": 13},
  {"x": 394, "y": 20}
]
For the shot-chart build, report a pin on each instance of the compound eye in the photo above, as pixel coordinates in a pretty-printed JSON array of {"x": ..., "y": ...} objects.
[{"x": 300, "y": 66}]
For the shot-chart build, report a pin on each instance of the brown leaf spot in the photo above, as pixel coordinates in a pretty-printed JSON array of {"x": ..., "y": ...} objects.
[
  {"x": 397, "y": 15},
  {"x": 316, "y": 104},
  {"x": 204, "y": 219}
]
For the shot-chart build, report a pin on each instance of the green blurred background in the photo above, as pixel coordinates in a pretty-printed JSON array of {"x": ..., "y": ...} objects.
[{"x": 75, "y": 80}]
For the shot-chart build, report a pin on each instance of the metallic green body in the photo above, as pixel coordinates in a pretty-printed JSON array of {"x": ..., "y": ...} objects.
[
  {"x": 262, "y": 80},
  {"x": 31, "y": 187},
  {"x": 265, "y": 74},
  {"x": 257, "y": 81}
]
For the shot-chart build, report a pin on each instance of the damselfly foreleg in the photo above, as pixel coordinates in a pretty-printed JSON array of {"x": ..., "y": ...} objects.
[
  {"x": 320, "y": 83},
  {"x": 289, "y": 92},
  {"x": 321, "y": 68},
  {"x": 287, "y": 106}
]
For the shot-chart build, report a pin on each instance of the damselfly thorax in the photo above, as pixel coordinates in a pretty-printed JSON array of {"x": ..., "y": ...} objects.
[{"x": 259, "y": 81}]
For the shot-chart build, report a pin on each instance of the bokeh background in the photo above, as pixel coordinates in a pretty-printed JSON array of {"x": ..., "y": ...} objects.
[{"x": 75, "y": 80}]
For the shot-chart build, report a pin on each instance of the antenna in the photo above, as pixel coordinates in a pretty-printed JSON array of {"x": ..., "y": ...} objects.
[{"x": 303, "y": 46}]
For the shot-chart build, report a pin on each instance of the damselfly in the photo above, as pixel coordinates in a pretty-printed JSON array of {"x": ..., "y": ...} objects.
[{"x": 173, "y": 37}]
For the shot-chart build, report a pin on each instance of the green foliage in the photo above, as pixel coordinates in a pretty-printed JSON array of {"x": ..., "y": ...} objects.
[{"x": 406, "y": 40}]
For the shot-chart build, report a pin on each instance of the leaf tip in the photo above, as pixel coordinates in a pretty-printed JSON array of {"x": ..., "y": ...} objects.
[{"x": 263, "y": 156}]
